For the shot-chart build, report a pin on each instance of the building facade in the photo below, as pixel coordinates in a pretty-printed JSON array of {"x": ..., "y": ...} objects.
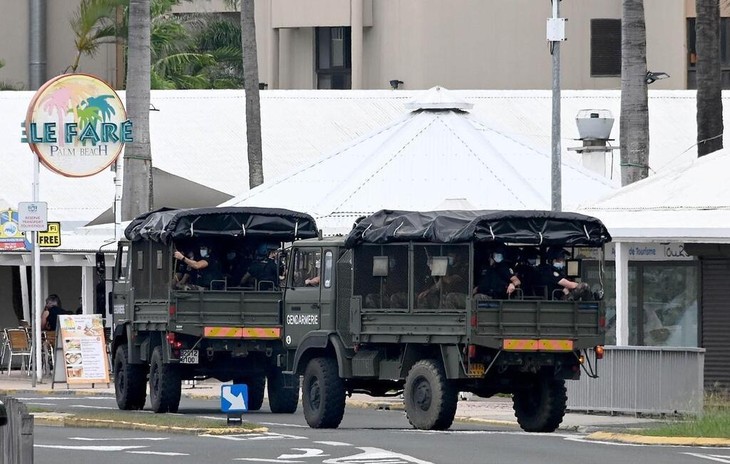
[{"x": 410, "y": 44}]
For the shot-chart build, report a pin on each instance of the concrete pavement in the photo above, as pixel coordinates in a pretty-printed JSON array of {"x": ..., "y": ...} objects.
[{"x": 494, "y": 411}]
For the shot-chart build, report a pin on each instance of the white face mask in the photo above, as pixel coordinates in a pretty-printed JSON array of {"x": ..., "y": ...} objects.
[
  {"x": 497, "y": 257},
  {"x": 559, "y": 265},
  {"x": 204, "y": 252}
]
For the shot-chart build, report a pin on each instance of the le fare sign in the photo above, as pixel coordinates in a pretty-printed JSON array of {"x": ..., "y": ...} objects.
[{"x": 77, "y": 125}]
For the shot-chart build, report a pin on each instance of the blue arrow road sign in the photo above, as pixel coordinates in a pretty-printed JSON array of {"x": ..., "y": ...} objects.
[{"x": 234, "y": 398}]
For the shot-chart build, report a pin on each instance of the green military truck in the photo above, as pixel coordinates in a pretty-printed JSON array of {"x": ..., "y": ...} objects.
[
  {"x": 389, "y": 310},
  {"x": 170, "y": 332}
]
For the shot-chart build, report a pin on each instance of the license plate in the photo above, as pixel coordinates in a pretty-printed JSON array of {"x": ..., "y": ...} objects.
[{"x": 188, "y": 356}]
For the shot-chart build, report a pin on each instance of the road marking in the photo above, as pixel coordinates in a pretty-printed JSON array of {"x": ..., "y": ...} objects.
[
  {"x": 159, "y": 453},
  {"x": 277, "y": 424},
  {"x": 40, "y": 404},
  {"x": 264, "y": 460},
  {"x": 65, "y": 398},
  {"x": 371, "y": 455},
  {"x": 307, "y": 453},
  {"x": 86, "y": 406},
  {"x": 711, "y": 457},
  {"x": 90, "y": 448},
  {"x": 332, "y": 443}
]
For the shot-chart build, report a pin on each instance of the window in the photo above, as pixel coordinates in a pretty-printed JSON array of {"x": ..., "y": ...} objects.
[
  {"x": 605, "y": 47},
  {"x": 334, "y": 66},
  {"x": 123, "y": 264},
  {"x": 328, "y": 261},
  {"x": 692, "y": 53},
  {"x": 381, "y": 276},
  {"x": 665, "y": 294},
  {"x": 305, "y": 267}
]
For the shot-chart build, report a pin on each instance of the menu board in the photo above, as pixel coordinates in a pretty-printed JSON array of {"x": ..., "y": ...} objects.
[{"x": 84, "y": 349}]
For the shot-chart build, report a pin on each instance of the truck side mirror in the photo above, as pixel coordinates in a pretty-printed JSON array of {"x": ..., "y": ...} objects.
[{"x": 100, "y": 264}]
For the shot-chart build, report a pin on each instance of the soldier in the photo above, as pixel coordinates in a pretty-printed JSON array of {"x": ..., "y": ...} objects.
[
  {"x": 553, "y": 274},
  {"x": 264, "y": 268},
  {"x": 499, "y": 280}
]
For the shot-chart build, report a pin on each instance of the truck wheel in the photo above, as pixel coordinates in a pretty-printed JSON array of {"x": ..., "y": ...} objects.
[
  {"x": 130, "y": 381},
  {"x": 256, "y": 386},
  {"x": 323, "y": 394},
  {"x": 430, "y": 399},
  {"x": 542, "y": 407},
  {"x": 283, "y": 392},
  {"x": 164, "y": 384}
]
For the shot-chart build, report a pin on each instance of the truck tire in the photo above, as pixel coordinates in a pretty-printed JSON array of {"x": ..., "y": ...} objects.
[
  {"x": 165, "y": 384},
  {"x": 323, "y": 394},
  {"x": 430, "y": 399},
  {"x": 542, "y": 407},
  {"x": 130, "y": 381},
  {"x": 256, "y": 386},
  {"x": 283, "y": 392}
]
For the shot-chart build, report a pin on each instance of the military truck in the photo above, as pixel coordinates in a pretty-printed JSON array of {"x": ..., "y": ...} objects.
[
  {"x": 173, "y": 333},
  {"x": 370, "y": 321}
]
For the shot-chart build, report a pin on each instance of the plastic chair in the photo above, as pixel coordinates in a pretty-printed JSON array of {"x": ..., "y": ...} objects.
[{"x": 18, "y": 345}]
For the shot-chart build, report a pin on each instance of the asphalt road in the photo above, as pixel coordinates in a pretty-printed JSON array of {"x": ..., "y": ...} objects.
[{"x": 366, "y": 436}]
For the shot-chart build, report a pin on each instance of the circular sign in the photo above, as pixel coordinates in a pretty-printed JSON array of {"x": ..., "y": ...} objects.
[{"x": 77, "y": 125}]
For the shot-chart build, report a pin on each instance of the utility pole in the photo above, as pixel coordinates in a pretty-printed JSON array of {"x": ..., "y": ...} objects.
[{"x": 555, "y": 35}]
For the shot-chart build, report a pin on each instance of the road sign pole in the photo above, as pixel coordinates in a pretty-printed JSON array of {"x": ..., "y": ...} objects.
[{"x": 37, "y": 310}]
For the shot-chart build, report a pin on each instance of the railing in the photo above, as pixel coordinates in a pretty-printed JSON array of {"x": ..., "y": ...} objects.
[
  {"x": 643, "y": 379},
  {"x": 16, "y": 438}
]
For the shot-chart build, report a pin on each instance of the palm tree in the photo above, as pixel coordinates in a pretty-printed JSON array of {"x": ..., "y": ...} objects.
[
  {"x": 93, "y": 25},
  {"x": 251, "y": 84},
  {"x": 137, "y": 187},
  {"x": 709, "y": 77},
  {"x": 634, "y": 125},
  {"x": 4, "y": 85}
]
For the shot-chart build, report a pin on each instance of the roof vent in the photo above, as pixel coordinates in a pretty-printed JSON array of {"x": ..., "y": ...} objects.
[
  {"x": 594, "y": 124},
  {"x": 438, "y": 98}
]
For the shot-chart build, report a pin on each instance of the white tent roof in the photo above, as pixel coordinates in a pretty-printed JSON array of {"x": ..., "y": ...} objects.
[
  {"x": 689, "y": 202},
  {"x": 418, "y": 161}
]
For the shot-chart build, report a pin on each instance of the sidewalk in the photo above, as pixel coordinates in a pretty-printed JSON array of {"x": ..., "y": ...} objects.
[{"x": 495, "y": 411}]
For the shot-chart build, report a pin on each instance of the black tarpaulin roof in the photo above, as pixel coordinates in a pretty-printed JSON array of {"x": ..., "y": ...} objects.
[
  {"x": 165, "y": 224},
  {"x": 518, "y": 227}
]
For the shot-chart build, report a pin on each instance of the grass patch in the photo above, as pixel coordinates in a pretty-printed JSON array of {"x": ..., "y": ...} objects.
[
  {"x": 187, "y": 421},
  {"x": 714, "y": 423}
]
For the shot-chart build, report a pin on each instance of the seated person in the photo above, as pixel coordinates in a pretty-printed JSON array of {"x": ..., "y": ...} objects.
[
  {"x": 526, "y": 271},
  {"x": 184, "y": 274},
  {"x": 234, "y": 267},
  {"x": 49, "y": 316},
  {"x": 498, "y": 281},
  {"x": 264, "y": 270},
  {"x": 207, "y": 267},
  {"x": 553, "y": 274},
  {"x": 447, "y": 291}
]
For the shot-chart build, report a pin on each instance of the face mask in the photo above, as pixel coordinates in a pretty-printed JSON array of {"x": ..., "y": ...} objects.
[
  {"x": 451, "y": 260},
  {"x": 532, "y": 262},
  {"x": 204, "y": 252},
  {"x": 231, "y": 255},
  {"x": 559, "y": 265},
  {"x": 497, "y": 257}
]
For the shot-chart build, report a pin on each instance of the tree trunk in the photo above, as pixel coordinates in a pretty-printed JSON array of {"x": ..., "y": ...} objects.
[
  {"x": 634, "y": 125},
  {"x": 709, "y": 77},
  {"x": 251, "y": 85},
  {"x": 137, "y": 186}
]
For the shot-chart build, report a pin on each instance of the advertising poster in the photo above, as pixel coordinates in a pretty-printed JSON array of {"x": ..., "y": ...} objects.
[
  {"x": 84, "y": 349},
  {"x": 11, "y": 238}
]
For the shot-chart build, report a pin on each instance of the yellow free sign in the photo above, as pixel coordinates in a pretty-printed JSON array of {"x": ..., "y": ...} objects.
[{"x": 51, "y": 237}]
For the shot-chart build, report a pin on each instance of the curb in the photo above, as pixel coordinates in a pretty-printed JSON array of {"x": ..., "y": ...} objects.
[
  {"x": 69, "y": 420},
  {"x": 652, "y": 440}
]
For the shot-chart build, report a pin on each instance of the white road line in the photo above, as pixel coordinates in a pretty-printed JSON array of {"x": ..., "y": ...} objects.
[
  {"x": 85, "y": 406},
  {"x": 39, "y": 404},
  {"x": 276, "y": 424},
  {"x": 264, "y": 460},
  {"x": 711, "y": 457},
  {"x": 332, "y": 443},
  {"x": 159, "y": 453},
  {"x": 66, "y": 398},
  {"x": 256, "y": 437},
  {"x": 90, "y": 448}
]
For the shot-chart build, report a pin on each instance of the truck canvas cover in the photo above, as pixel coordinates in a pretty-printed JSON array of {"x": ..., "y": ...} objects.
[
  {"x": 528, "y": 227},
  {"x": 164, "y": 225}
]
